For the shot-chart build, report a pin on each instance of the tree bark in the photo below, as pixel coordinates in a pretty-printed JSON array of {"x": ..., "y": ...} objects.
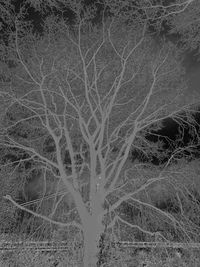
[
  {"x": 91, "y": 245},
  {"x": 93, "y": 228}
]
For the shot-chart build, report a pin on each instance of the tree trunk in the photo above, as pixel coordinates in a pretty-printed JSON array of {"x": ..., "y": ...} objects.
[
  {"x": 93, "y": 228},
  {"x": 92, "y": 237}
]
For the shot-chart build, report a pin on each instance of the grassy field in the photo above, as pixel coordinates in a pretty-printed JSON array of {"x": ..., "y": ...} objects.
[{"x": 127, "y": 257}]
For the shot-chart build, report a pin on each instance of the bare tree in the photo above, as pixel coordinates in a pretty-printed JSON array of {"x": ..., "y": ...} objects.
[{"x": 89, "y": 90}]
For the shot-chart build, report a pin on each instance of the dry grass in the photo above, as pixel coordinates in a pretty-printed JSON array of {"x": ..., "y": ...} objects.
[{"x": 125, "y": 258}]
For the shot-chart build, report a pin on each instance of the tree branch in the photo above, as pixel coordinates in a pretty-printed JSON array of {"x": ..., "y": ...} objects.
[{"x": 43, "y": 216}]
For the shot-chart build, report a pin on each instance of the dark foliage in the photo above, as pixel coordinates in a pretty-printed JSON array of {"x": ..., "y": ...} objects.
[
  {"x": 16, "y": 157},
  {"x": 49, "y": 145},
  {"x": 168, "y": 205},
  {"x": 139, "y": 155},
  {"x": 131, "y": 211}
]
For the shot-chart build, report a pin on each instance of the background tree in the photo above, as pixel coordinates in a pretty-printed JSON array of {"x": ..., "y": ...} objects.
[
  {"x": 187, "y": 29},
  {"x": 86, "y": 90}
]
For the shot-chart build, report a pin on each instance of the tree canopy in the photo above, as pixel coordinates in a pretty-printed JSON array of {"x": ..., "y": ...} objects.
[{"x": 77, "y": 98}]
